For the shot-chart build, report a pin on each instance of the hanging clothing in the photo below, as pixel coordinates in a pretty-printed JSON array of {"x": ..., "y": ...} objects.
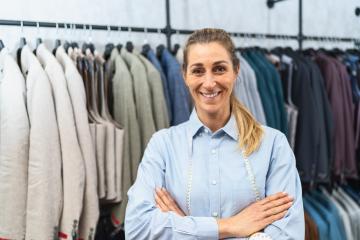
[
  {"x": 90, "y": 210},
  {"x": 125, "y": 114},
  {"x": 180, "y": 96},
  {"x": 14, "y": 149},
  {"x": 160, "y": 114},
  {"x": 166, "y": 162},
  {"x": 149, "y": 53},
  {"x": 292, "y": 111},
  {"x": 245, "y": 90},
  {"x": 142, "y": 97},
  {"x": 73, "y": 170},
  {"x": 339, "y": 93},
  {"x": 314, "y": 124},
  {"x": 311, "y": 232},
  {"x": 44, "y": 194}
]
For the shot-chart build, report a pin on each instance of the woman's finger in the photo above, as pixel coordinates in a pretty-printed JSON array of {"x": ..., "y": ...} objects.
[
  {"x": 170, "y": 202},
  {"x": 278, "y": 209},
  {"x": 278, "y": 202},
  {"x": 273, "y": 197},
  {"x": 160, "y": 202}
]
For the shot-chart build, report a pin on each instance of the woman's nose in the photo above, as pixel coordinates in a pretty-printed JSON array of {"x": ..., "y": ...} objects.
[{"x": 209, "y": 81}]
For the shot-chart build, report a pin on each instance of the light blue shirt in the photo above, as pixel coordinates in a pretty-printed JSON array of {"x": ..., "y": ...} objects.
[{"x": 220, "y": 186}]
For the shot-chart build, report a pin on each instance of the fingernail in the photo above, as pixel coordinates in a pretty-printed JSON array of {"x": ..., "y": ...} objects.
[{"x": 285, "y": 193}]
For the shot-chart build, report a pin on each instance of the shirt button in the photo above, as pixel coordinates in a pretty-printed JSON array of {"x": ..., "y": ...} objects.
[
  {"x": 214, "y": 214},
  {"x": 213, "y": 151},
  {"x": 214, "y": 182}
]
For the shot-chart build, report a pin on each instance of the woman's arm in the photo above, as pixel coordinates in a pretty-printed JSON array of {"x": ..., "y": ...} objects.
[
  {"x": 144, "y": 220},
  {"x": 283, "y": 176}
]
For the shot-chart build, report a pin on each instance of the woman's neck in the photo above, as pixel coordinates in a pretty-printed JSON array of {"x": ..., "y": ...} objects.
[{"x": 214, "y": 121}]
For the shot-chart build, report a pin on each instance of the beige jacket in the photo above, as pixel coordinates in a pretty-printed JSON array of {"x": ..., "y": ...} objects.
[
  {"x": 73, "y": 170},
  {"x": 14, "y": 149},
  {"x": 90, "y": 210},
  {"x": 44, "y": 195}
]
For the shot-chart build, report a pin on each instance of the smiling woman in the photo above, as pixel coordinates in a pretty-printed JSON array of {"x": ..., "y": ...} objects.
[{"x": 221, "y": 174}]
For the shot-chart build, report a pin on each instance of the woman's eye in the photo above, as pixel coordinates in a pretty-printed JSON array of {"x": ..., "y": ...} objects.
[
  {"x": 219, "y": 69},
  {"x": 197, "y": 71}
]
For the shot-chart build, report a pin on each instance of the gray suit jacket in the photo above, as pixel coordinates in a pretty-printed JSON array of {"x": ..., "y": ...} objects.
[
  {"x": 73, "y": 170},
  {"x": 90, "y": 210},
  {"x": 125, "y": 114},
  {"x": 159, "y": 108},
  {"x": 44, "y": 195},
  {"x": 14, "y": 149},
  {"x": 142, "y": 97}
]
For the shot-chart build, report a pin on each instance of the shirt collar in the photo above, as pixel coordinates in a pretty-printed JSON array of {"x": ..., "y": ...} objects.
[{"x": 230, "y": 127}]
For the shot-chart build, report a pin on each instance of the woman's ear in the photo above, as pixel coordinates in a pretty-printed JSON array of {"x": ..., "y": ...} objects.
[
  {"x": 237, "y": 69},
  {"x": 183, "y": 72}
]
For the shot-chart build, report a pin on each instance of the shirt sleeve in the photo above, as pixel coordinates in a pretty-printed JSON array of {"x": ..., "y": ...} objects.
[
  {"x": 283, "y": 176},
  {"x": 143, "y": 220}
]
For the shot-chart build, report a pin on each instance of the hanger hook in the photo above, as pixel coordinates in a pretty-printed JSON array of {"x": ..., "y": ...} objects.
[
  {"x": 22, "y": 27},
  {"x": 129, "y": 32},
  {"x": 90, "y": 33},
  {"x": 38, "y": 28},
  {"x": 146, "y": 36},
  {"x": 108, "y": 33}
]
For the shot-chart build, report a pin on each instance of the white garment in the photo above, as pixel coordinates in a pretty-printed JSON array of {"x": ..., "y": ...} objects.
[
  {"x": 14, "y": 149},
  {"x": 44, "y": 196},
  {"x": 90, "y": 211},
  {"x": 73, "y": 170}
]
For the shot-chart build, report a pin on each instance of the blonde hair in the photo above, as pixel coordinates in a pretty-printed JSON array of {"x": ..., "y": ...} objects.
[{"x": 249, "y": 130}]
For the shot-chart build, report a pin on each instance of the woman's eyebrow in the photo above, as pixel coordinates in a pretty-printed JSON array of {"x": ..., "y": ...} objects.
[
  {"x": 196, "y": 65},
  {"x": 219, "y": 62}
]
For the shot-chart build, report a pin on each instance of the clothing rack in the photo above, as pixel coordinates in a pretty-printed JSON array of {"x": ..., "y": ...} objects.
[{"x": 169, "y": 31}]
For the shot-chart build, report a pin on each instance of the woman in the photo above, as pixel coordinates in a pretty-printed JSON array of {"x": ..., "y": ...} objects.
[{"x": 220, "y": 174}]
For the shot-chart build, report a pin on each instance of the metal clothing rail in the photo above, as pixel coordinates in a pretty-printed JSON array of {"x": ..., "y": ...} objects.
[{"x": 169, "y": 31}]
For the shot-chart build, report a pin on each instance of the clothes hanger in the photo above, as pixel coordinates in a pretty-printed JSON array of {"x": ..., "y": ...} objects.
[
  {"x": 57, "y": 44},
  {"x": 145, "y": 49},
  {"x": 129, "y": 45},
  {"x": 21, "y": 45},
  {"x": 108, "y": 49},
  {"x": 1, "y": 45},
  {"x": 38, "y": 39},
  {"x": 159, "y": 50}
]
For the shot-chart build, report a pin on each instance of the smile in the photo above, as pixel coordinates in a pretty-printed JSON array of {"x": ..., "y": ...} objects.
[{"x": 210, "y": 95}]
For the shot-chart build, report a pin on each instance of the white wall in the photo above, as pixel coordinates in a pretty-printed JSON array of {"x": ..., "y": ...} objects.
[{"x": 321, "y": 17}]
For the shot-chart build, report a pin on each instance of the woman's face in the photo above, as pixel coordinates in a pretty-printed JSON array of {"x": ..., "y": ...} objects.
[{"x": 210, "y": 77}]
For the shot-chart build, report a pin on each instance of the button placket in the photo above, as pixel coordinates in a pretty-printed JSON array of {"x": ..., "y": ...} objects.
[{"x": 214, "y": 178}]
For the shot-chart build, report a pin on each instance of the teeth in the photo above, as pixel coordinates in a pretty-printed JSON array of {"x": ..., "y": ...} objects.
[{"x": 210, "y": 95}]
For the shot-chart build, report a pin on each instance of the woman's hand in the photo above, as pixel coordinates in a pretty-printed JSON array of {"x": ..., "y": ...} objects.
[
  {"x": 256, "y": 216},
  {"x": 166, "y": 203}
]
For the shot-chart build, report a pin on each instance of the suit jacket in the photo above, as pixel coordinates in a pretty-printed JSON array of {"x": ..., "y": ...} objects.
[
  {"x": 125, "y": 114},
  {"x": 44, "y": 195},
  {"x": 14, "y": 149},
  {"x": 73, "y": 170},
  {"x": 245, "y": 89},
  {"x": 142, "y": 97},
  {"x": 155, "y": 61},
  {"x": 157, "y": 94},
  {"x": 90, "y": 211},
  {"x": 263, "y": 90},
  {"x": 179, "y": 94}
]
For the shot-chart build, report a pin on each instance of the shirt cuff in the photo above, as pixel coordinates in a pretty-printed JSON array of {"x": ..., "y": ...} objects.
[
  {"x": 273, "y": 231},
  {"x": 207, "y": 228}
]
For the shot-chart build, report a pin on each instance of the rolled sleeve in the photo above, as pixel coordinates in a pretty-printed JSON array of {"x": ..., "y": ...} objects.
[
  {"x": 143, "y": 220},
  {"x": 283, "y": 176}
]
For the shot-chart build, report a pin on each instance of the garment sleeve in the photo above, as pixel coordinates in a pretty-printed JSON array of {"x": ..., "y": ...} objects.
[
  {"x": 283, "y": 176},
  {"x": 144, "y": 220}
]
